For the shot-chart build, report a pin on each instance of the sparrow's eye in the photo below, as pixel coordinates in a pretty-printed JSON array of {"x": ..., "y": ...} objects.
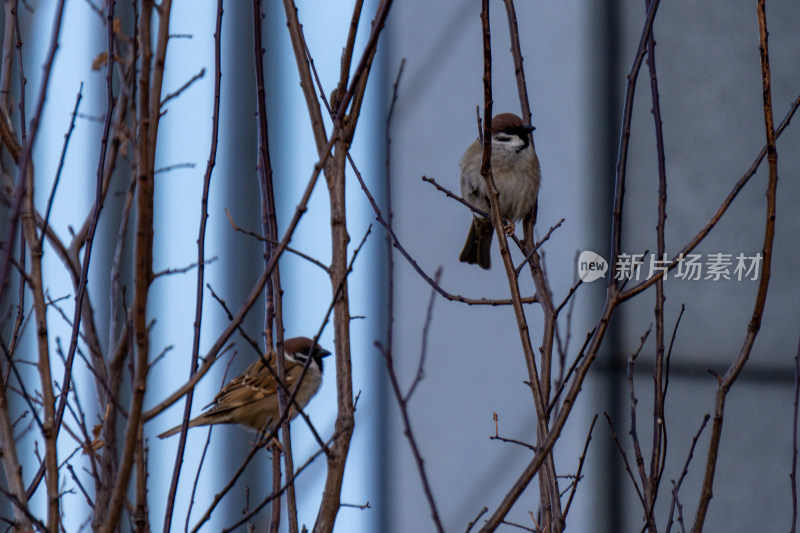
[
  {"x": 503, "y": 137},
  {"x": 297, "y": 357}
]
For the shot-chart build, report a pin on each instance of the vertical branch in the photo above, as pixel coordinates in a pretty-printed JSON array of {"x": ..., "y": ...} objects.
[
  {"x": 109, "y": 376},
  {"x": 550, "y": 499},
  {"x": 390, "y": 214},
  {"x": 148, "y": 110},
  {"x": 519, "y": 72},
  {"x": 10, "y": 461},
  {"x": 16, "y": 203},
  {"x": 306, "y": 82},
  {"x": 162, "y": 39},
  {"x": 275, "y": 514},
  {"x": 539, "y": 278},
  {"x": 140, "y": 519},
  {"x": 97, "y": 206},
  {"x": 347, "y": 56},
  {"x": 23, "y": 81},
  {"x": 269, "y": 224},
  {"x": 26, "y": 212},
  {"x": 24, "y": 161},
  {"x": 658, "y": 451},
  {"x": 200, "y": 280},
  {"x": 624, "y": 141},
  {"x": 341, "y": 320},
  {"x": 736, "y": 366},
  {"x": 274, "y": 315},
  {"x": 9, "y": 33},
  {"x": 337, "y": 459},
  {"x": 646, "y": 499},
  {"x": 81, "y": 297},
  {"x": 36, "y": 284}
]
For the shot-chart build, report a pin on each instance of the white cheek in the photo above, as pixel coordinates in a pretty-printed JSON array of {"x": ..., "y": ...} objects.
[{"x": 510, "y": 143}]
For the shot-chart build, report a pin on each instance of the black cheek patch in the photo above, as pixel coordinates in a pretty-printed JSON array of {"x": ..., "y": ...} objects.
[{"x": 525, "y": 142}]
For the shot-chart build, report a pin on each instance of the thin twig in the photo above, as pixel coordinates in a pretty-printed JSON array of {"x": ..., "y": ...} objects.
[
  {"x": 581, "y": 459},
  {"x": 360, "y": 506},
  {"x": 24, "y": 510},
  {"x": 519, "y": 71},
  {"x": 60, "y": 167},
  {"x": 289, "y": 249},
  {"x": 183, "y": 270},
  {"x": 624, "y": 459},
  {"x": 185, "y": 86},
  {"x": 676, "y": 486},
  {"x": 80, "y": 486},
  {"x": 290, "y": 479},
  {"x": 624, "y": 140},
  {"x": 402, "y": 402},
  {"x": 475, "y": 520},
  {"x": 537, "y": 245},
  {"x": 201, "y": 260},
  {"x": 424, "y": 349},
  {"x": 447, "y": 192},
  {"x": 257, "y": 446},
  {"x": 497, "y": 436},
  {"x": 648, "y": 498},
  {"x": 170, "y": 168},
  {"x": 205, "y": 450},
  {"x": 671, "y": 344}
]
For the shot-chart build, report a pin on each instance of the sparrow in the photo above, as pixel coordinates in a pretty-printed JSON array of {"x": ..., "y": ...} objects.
[
  {"x": 251, "y": 399},
  {"x": 516, "y": 173}
]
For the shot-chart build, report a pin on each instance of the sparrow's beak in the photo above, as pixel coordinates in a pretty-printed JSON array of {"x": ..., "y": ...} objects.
[
  {"x": 323, "y": 352},
  {"x": 528, "y": 128}
]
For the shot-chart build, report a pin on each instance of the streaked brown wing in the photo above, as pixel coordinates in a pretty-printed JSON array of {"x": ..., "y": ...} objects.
[
  {"x": 254, "y": 384},
  {"x": 293, "y": 372}
]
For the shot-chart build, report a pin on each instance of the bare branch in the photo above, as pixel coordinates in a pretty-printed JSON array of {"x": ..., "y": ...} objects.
[
  {"x": 186, "y": 85},
  {"x": 763, "y": 285},
  {"x": 182, "y": 270},
  {"x": 67, "y": 137},
  {"x": 580, "y": 467},
  {"x": 289, "y": 249},
  {"x": 402, "y": 402},
  {"x": 625, "y": 460},
  {"x": 475, "y": 520},
  {"x": 676, "y": 486},
  {"x": 497, "y": 436}
]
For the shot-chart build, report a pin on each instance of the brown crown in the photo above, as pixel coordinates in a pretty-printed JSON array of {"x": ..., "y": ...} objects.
[
  {"x": 506, "y": 122},
  {"x": 303, "y": 345}
]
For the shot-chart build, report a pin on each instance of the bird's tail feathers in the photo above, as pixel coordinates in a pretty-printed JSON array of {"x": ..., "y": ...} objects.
[{"x": 478, "y": 246}]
